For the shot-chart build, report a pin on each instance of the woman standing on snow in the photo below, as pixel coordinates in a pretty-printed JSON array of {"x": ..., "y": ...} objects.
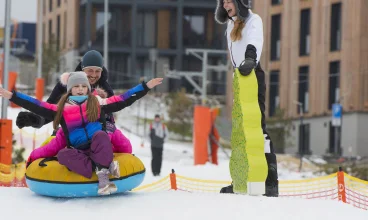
[{"x": 245, "y": 41}]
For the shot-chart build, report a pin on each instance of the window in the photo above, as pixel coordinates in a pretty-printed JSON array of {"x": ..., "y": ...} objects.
[
  {"x": 44, "y": 7},
  {"x": 275, "y": 37},
  {"x": 118, "y": 71},
  {"x": 58, "y": 3},
  {"x": 82, "y": 29},
  {"x": 50, "y": 5},
  {"x": 50, "y": 31},
  {"x": 304, "y": 32},
  {"x": 65, "y": 30},
  {"x": 146, "y": 29},
  {"x": 43, "y": 32},
  {"x": 274, "y": 92},
  {"x": 123, "y": 20},
  {"x": 194, "y": 30},
  {"x": 173, "y": 29},
  {"x": 58, "y": 33},
  {"x": 334, "y": 83},
  {"x": 100, "y": 21},
  {"x": 304, "y": 136},
  {"x": 303, "y": 91},
  {"x": 335, "y": 37},
  {"x": 276, "y": 2},
  {"x": 113, "y": 19}
]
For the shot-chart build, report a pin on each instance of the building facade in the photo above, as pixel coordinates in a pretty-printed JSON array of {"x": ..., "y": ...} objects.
[
  {"x": 315, "y": 54},
  {"x": 138, "y": 29}
]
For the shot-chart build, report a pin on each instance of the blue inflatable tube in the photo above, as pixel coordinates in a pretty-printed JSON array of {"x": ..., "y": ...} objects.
[{"x": 85, "y": 189}]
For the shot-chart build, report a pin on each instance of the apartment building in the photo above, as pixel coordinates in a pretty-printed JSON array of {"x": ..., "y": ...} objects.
[
  {"x": 315, "y": 53},
  {"x": 138, "y": 29}
]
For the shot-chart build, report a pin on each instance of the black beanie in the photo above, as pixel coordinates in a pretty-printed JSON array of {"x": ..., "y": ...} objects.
[{"x": 92, "y": 58}]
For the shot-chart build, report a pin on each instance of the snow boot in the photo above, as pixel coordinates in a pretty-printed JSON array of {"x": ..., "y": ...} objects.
[
  {"x": 227, "y": 189},
  {"x": 114, "y": 169},
  {"x": 272, "y": 183},
  {"x": 105, "y": 187}
]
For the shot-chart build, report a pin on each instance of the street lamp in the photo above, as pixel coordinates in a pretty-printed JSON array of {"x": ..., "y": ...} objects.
[
  {"x": 106, "y": 34},
  {"x": 301, "y": 147},
  {"x": 5, "y": 79},
  {"x": 336, "y": 123}
]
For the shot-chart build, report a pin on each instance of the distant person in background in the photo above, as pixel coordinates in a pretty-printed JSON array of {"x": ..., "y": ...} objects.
[{"x": 158, "y": 134}]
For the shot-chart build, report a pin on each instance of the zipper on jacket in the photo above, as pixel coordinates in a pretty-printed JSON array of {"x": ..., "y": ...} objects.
[
  {"x": 84, "y": 123},
  {"x": 231, "y": 52}
]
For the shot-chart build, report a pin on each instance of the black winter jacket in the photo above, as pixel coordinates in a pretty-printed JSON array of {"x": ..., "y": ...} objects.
[{"x": 60, "y": 90}]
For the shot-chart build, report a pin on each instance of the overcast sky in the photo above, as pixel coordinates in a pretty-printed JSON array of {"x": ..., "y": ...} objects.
[{"x": 21, "y": 10}]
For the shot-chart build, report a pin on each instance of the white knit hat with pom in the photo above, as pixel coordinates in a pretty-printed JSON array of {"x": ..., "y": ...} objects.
[{"x": 74, "y": 78}]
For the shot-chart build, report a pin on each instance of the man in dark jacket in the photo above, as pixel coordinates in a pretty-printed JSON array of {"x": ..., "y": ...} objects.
[
  {"x": 92, "y": 65},
  {"x": 158, "y": 134}
]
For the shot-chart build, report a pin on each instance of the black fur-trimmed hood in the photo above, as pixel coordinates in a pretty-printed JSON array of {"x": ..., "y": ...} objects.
[{"x": 242, "y": 7}]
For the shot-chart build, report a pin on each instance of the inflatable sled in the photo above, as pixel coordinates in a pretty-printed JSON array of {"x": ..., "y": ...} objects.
[{"x": 46, "y": 176}]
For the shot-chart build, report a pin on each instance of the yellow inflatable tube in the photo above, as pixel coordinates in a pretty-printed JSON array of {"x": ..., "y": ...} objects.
[{"x": 48, "y": 177}]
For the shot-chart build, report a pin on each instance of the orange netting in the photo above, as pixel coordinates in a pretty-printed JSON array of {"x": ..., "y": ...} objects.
[
  {"x": 338, "y": 186},
  {"x": 351, "y": 190}
]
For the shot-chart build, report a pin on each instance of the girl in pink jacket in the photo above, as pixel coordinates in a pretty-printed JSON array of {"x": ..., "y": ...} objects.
[
  {"x": 120, "y": 144},
  {"x": 79, "y": 114}
]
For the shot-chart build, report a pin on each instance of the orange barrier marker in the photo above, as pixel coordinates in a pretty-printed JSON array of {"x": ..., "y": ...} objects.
[
  {"x": 173, "y": 180},
  {"x": 201, "y": 130},
  {"x": 341, "y": 185},
  {"x": 40, "y": 85},
  {"x": 6, "y": 142}
]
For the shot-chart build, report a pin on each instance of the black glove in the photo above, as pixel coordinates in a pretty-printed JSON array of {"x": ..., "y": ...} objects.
[
  {"x": 26, "y": 119},
  {"x": 250, "y": 61},
  {"x": 247, "y": 66}
]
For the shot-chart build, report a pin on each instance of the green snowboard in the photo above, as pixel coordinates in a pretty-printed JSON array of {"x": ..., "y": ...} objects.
[{"x": 247, "y": 161}]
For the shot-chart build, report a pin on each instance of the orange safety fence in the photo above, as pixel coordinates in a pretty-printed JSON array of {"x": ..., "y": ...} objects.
[
  {"x": 24, "y": 138},
  {"x": 346, "y": 189},
  {"x": 338, "y": 186},
  {"x": 13, "y": 175}
]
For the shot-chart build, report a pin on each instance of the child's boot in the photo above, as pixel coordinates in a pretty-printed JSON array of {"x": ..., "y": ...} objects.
[
  {"x": 105, "y": 187},
  {"x": 114, "y": 169}
]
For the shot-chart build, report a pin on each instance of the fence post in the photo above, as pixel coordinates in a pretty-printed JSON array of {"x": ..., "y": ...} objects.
[
  {"x": 173, "y": 180},
  {"x": 341, "y": 185}
]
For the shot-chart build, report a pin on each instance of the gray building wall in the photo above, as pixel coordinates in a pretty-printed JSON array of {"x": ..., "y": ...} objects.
[
  {"x": 362, "y": 139},
  {"x": 354, "y": 135}
]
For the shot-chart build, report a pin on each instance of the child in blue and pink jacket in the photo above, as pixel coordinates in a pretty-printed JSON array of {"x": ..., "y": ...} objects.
[
  {"x": 120, "y": 144},
  {"x": 78, "y": 113}
]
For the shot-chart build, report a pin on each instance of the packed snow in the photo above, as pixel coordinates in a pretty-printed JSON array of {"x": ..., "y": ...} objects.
[{"x": 21, "y": 203}]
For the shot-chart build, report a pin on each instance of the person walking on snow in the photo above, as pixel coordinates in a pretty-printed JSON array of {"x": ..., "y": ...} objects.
[{"x": 158, "y": 134}]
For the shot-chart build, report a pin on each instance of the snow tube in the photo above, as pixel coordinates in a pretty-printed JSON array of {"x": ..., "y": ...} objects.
[{"x": 46, "y": 176}]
